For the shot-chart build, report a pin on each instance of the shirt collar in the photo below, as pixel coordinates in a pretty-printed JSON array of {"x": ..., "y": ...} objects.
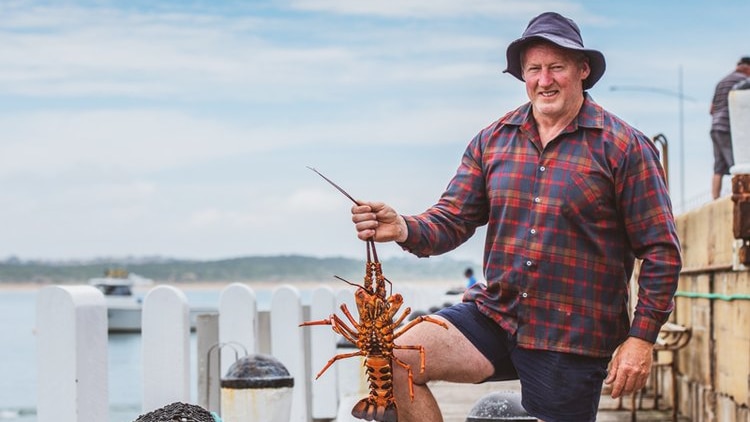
[{"x": 591, "y": 115}]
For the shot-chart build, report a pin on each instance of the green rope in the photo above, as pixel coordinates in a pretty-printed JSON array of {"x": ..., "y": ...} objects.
[{"x": 713, "y": 296}]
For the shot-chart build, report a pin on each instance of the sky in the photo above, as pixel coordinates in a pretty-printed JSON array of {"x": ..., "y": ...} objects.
[{"x": 183, "y": 129}]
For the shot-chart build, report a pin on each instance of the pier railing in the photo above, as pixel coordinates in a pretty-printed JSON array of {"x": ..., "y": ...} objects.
[{"x": 72, "y": 348}]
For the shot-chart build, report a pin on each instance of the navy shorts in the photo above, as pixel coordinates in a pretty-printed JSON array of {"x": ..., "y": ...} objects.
[{"x": 555, "y": 386}]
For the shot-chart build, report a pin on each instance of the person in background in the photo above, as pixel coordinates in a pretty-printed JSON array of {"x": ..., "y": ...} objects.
[
  {"x": 721, "y": 135},
  {"x": 470, "y": 279},
  {"x": 571, "y": 196}
]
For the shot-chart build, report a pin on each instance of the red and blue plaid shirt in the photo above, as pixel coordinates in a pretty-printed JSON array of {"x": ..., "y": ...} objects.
[{"x": 565, "y": 224}]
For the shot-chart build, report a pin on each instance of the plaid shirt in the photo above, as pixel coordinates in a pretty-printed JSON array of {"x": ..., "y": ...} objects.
[
  {"x": 720, "y": 101},
  {"x": 565, "y": 224}
]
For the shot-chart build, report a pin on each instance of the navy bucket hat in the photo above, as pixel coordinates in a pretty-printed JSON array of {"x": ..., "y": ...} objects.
[{"x": 558, "y": 30}]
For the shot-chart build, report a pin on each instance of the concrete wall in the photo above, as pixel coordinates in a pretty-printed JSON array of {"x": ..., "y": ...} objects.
[{"x": 714, "y": 368}]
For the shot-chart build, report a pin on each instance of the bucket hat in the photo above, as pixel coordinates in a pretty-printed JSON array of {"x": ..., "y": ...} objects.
[{"x": 559, "y": 30}]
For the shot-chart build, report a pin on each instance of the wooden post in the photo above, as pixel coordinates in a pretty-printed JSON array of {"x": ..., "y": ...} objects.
[
  {"x": 71, "y": 329},
  {"x": 207, "y": 356},
  {"x": 238, "y": 322},
  {"x": 322, "y": 348},
  {"x": 165, "y": 340},
  {"x": 287, "y": 345}
]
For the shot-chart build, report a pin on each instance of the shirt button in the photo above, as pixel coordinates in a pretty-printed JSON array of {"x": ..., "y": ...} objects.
[
  {"x": 537, "y": 200},
  {"x": 532, "y": 231},
  {"x": 542, "y": 168},
  {"x": 529, "y": 263}
]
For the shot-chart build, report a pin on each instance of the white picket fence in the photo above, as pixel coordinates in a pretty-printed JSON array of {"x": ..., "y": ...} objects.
[{"x": 72, "y": 348}]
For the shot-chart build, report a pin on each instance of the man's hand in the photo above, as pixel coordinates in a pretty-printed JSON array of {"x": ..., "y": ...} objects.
[
  {"x": 378, "y": 221},
  {"x": 630, "y": 366}
]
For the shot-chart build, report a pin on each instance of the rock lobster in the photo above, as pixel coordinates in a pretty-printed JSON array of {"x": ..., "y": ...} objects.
[{"x": 374, "y": 335}]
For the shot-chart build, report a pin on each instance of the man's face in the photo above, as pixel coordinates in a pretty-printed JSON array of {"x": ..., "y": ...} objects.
[{"x": 554, "y": 79}]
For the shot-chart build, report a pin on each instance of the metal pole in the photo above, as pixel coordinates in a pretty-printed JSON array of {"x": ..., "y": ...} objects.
[
  {"x": 681, "y": 121},
  {"x": 682, "y": 144}
]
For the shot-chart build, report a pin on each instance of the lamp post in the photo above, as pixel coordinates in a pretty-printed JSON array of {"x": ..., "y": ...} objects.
[{"x": 681, "y": 113}]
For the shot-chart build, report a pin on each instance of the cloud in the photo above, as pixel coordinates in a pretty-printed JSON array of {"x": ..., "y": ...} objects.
[
  {"x": 168, "y": 133},
  {"x": 427, "y": 9},
  {"x": 184, "y": 129},
  {"x": 129, "y": 141}
]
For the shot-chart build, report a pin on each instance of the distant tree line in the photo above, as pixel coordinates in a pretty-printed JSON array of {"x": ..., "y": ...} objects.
[{"x": 253, "y": 268}]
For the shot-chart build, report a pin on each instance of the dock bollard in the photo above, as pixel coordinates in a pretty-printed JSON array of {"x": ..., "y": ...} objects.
[
  {"x": 178, "y": 411},
  {"x": 257, "y": 388},
  {"x": 499, "y": 406}
]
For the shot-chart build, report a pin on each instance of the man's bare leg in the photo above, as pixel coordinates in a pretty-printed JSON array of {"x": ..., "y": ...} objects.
[
  {"x": 716, "y": 186},
  {"x": 449, "y": 357}
]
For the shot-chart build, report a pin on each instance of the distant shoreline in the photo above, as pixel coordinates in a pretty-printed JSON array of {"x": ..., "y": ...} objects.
[
  {"x": 218, "y": 285},
  {"x": 203, "y": 285}
]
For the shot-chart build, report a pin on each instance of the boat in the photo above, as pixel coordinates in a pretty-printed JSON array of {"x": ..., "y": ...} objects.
[
  {"x": 123, "y": 304},
  {"x": 124, "y": 292}
]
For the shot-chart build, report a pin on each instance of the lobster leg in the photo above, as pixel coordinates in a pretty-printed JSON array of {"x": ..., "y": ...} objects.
[
  {"x": 326, "y": 321},
  {"x": 337, "y": 357},
  {"x": 403, "y": 316},
  {"x": 408, "y": 369},
  {"x": 337, "y": 324},
  {"x": 420, "y": 349},
  {"x": 417, "y": 320},
  {"x": 349, "y": 316}
]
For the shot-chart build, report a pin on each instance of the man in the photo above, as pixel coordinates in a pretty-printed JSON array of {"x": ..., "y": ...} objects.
[
  {"x": 470, "y": 279},
  {"x": 721, "y": 135},
  {"x": 571, "y": 195}
]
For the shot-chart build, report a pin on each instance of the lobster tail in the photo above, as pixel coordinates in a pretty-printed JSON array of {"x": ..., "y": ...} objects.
[{"x": 368, "y": 410}]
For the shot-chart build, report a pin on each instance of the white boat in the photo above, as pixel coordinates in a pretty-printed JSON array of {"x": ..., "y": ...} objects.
[
  {"x": 124, "y": 294},
  {"x": 123, "y": 304}
]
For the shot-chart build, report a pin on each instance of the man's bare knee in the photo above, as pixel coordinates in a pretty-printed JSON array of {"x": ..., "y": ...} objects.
[{"x": 448, "y": 355}]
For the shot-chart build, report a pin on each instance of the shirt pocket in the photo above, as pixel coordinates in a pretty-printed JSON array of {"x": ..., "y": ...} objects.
[{"x": 586, "y": 198}]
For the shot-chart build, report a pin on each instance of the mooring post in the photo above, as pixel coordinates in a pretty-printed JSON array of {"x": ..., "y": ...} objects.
[
  {"x": 322, "y": 348},
  {"x": 287, "y": 345},
  {"x": 238, "y": 321},
  {"x": 257, "y": 388},
  {"x": 71, "y": 330},
  {"x": 165, "y": 337},
  {"x": 499, "y": 406}
]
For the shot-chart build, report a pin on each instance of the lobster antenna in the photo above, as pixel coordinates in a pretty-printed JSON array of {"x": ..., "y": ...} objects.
[
  {"x": 348, "y": 282},
  {"x": 370, "y": 241},
  {"x": 335, "y": 185}
]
